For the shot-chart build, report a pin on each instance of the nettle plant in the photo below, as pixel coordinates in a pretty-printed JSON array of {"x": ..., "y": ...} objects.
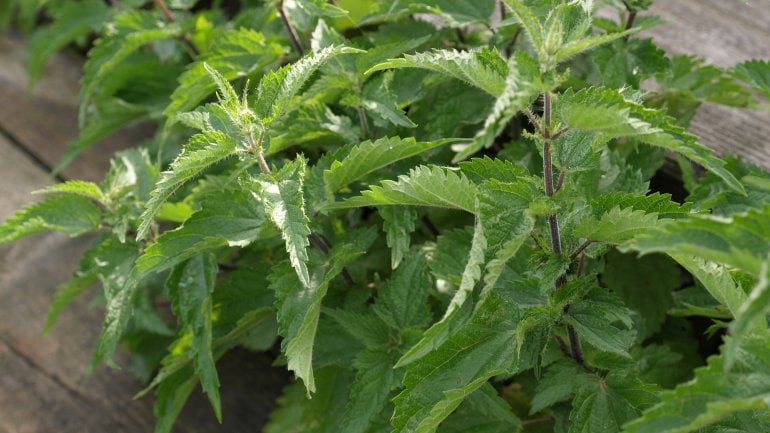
[{"x": 440, "y": 210}]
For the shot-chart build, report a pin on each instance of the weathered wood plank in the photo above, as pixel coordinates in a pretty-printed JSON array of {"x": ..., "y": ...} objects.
[{"x": 45, "y": 120}]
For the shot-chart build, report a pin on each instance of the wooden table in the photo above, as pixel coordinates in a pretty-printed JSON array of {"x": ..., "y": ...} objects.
[{"x": 42, "y": 385}]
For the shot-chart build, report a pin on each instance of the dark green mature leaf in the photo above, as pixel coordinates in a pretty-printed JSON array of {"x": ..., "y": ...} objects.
[
  {"x": 609, "y": 113},
  {"x": 299, "y": 305},
  {"x": 484, "y": 69},
  {"x": 604, "y": 405},
  {"x": 741, "y": 241},
  {"x": 424, "y": 186},
  {"x": 202, "y": 151},
  {"x": 375, "y": 379},
  {"x": 72, "y": 21},
  {"x": 484, "y": 347},
  {"x": 658, "y": 203},
  {"x": 285, "y": 206},
  {"x": 482, "y": 412},
  {"x": 603, "y": 322},
  {"x": 373, "y": 155},
  {"x": 321, "y": 414},
  {"x": 401, "y": 303},
  {"x": 171, "y": 396},
  {"x": 716, "y": 395},
  {"x": 278, "y": 88},
  {"x": 128, "y": 32},
  {"x": 190, "y": 286},
  {"x": 68, "y": 213},
  {"x": 232, "y": 218},
  {"x": 716, "y": 279},
  {"x": 235, "y": 53},
  {"x": 645, "y": 285}
]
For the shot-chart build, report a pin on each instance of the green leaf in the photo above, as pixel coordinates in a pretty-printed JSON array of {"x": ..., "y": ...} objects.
[
  {"x": 757, "y": 73},
  {"x": 234, "y": 54},
  {"x": 170, "y": 398},
  {"x": 520, "y": 89},
  {"x": 68, "y": 213},
  {"x": 398, "y": 225},
  {"x": 321, "y": 8},
  {"x": 402, "y": 302},
  {"x": 484, "y": 347},
  {"x": 740, "y": 240},
  {"x": 608, "y": 403},
  {"x": 716, "y": 395},
  {"x": 752, "y": 313},
  {"x": 484, "y": 69},
  {"x": 424, "y": 186},
  {"x": 79, "y": 187},
  {"x": 716, "y": 279},
  {"x": 560, "y": 382},
  {"x": 321, "y": 414},
  {"x": 128, "y": 32},
  {"x": 658, "y": 203},
  {"x": 645, "y": 285},
  {"x": 482, "y": 412},
  {"x": 370, "y": 156},
  {"x": 277, "y": 89},
  {"x": 190, "y": 286},
  {"x": 608, "y": 112},
  {"x": 617, "y": 226},
  {"x": 71, "y": 22},
  {"x": 231, "y": 218},
  {"x": 285, "y": 206},
  {"x": 115, "y": 260},
  {"x": 375, "y": 378},
  {"x": 202, "y": 151},
  {"x": 603, "y": 322},
  {"x": 299, "y": 305}
]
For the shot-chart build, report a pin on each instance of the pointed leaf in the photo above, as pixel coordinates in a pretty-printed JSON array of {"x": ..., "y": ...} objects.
[
  {"x": 190, "y": 286},
  {"x": 484, "y": 69},
  {"x": 424, "y": 186},
  {"x": 68, "y": 213},
  {"x": 202, "y": 151}
]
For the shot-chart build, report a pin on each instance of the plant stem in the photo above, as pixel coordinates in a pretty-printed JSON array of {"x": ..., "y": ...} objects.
[
  {"x": 161, "y": 4},
  {"x": 290, "y": 29},
  {"x": 580, "y": 249},
  {"x": 631, "y": 16},
  {"x": 256, "y": 147},
  {"x": 364, "y": 122},
  {"x": 553, "y": 220},
  {"x": 166, "y": 12},
  {"x": 575, "y": 347},
  {"x": 535, "y": 421}
]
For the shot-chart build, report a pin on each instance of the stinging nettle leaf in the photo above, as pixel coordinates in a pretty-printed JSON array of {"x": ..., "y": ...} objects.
[
  {"x": 277, "y": 88},
  {"x": 234, "y": 54},
  {"x": 398, "y": 225},
  {"x": 424, "y": 186},
  {"x": 68, "y": 213},
  {"x": 202, "y": 151},
  {"x": 285, "y": 206},
  {"x": 190, "y": 286},
  {"x": 484, "y": 69},
  {"x": 373, "y": 155}
]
